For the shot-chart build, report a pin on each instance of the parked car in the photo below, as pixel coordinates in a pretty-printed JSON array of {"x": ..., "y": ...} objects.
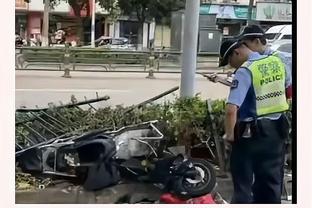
[
  {"x": 282, "y": 45},
  {"x": 279, "y": 32},
  {"x": 114, "y": 43}
]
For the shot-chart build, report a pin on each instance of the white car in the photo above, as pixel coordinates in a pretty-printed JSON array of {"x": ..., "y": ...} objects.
[
  {"x": 279, "y": 32},
  {"x": 282, "y": 45},
  {"x": 112, "y": 43}
]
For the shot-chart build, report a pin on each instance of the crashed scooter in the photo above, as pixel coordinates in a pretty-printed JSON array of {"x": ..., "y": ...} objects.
[{"x": 98, "y": 159}]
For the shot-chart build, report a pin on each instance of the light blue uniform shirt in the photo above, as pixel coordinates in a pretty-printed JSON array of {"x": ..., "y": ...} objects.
[
  {"x": 286, "y": 59},
  {"x": 238, "y": 94}
]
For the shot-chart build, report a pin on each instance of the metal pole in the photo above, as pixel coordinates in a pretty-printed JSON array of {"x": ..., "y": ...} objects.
[
  {"x": 93, "y": 25},
  {"x": 162, "y": 34},
  {"x": 249, "y": 19},
  {"x": 45, "y": 26},
  {"x": 189, "y": 56}
]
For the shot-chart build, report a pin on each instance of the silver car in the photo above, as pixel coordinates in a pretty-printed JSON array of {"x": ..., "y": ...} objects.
[{"x": 114, "y": 43}]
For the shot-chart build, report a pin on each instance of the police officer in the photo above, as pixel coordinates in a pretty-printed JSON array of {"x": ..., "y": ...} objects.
[
  {"x": 255, "y": 124},
  {"x": 254, "y": 37}
]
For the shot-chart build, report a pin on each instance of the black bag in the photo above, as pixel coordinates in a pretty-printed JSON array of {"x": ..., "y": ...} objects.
[
  {"x": 96, "y": 170},
  {"x": 103, "y": 170},
  {"x": 30, "y": 161}
]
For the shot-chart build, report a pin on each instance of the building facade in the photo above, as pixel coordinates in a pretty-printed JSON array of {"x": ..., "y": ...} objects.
[
  {"x": 229, "y": 17},
  {"x": 29, "y": 21},
  {"x": 233, "y": 14}
]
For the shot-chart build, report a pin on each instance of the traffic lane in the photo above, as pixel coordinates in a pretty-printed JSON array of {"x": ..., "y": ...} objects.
[{"x": 125, "y": 89}]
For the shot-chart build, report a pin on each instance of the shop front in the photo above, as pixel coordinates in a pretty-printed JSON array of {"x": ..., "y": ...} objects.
[
  {"x": 34, "y": 25},
  {"x": 21, "y": 8},
  {"x": 230, "y": 18},
  {"x": 274, "y": 13}
]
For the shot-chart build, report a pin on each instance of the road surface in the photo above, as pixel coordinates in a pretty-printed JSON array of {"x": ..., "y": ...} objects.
[{"x": 40, "y": 87}]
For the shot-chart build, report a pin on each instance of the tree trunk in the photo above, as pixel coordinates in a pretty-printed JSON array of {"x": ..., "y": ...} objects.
[
  {"x": 249, "y": 20},
  {"x": 162, "y": 35},
  {"x": 80, "y": 30},
  {"x": 163, "y": 23},
  {"x": 45, "y": 25},
  {"x": 77, "y": 6},
  {"x": 140, "y": 36}
]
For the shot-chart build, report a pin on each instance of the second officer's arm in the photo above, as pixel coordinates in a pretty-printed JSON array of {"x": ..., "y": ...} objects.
[
  {"x": 238, "y": 92},
  {"x": 230, "y": 121}
]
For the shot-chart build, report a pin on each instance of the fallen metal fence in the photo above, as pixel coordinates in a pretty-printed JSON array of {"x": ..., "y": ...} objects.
[{"x": 36, "y": 126}]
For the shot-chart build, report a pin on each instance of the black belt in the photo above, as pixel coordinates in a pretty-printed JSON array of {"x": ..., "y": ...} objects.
[{"x": 248, "y": 129}]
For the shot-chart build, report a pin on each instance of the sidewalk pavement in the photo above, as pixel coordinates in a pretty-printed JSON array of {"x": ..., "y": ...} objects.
[{"x": 66, "y": 193}]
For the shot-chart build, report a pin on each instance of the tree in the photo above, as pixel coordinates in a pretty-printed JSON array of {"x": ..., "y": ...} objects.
[
  {"x": 148, "y": 9},
  {"x": 45, "y": 29},
  {"x": 78, "y": 6}
]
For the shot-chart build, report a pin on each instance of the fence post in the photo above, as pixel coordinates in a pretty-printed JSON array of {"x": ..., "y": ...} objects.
[
  {"x": 151, "y": 74},
  {"x": 66, "y": 61},
  {"x": 151, "y": 65}
]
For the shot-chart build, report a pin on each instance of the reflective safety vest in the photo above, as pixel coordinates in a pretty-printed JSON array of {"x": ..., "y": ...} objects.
[{"x": 268, "y": 80}]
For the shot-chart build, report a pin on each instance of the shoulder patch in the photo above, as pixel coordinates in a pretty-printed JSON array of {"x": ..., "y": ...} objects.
[{"x": 234, "y": 84}]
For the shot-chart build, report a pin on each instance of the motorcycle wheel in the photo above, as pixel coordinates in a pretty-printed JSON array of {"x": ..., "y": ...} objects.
[{"x": 203, "y": 184}]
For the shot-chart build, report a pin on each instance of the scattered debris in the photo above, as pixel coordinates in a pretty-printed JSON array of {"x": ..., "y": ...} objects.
[
  {"x": 218, "y": 199},
  {"x": 25, "y": 181}
]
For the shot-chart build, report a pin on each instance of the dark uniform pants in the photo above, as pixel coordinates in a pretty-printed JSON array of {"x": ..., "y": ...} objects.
[{"x": 257, "y": 162}]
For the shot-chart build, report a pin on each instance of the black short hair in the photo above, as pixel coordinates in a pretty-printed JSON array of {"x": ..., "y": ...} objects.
[{"x": 261, "y": 38}]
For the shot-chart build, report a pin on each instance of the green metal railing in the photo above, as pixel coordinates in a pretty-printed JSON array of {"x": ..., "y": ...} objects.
[{"x": 68, "y": 58}]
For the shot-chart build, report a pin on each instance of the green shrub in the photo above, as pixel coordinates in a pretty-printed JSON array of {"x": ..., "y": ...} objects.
[{"x": 182, "y": 118}]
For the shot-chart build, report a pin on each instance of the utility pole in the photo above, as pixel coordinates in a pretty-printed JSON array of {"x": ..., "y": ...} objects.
[
  {"x": 93, "y": 24},
  {"x": 249, "y": 20},
  {"x": 189, "y": 56},
  {"x": 45, "y": 25}
]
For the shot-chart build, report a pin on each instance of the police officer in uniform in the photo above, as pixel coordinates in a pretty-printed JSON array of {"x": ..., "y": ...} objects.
[
  {"x": 255, "y": 123},
  {"x": 254, "y": 37}
]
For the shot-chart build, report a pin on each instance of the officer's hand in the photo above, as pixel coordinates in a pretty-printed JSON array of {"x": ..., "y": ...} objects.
[
  {"x": 213, "y": 77},
  {"x": 228, "y": 138},
  {"x": 227, "y": 143}
]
